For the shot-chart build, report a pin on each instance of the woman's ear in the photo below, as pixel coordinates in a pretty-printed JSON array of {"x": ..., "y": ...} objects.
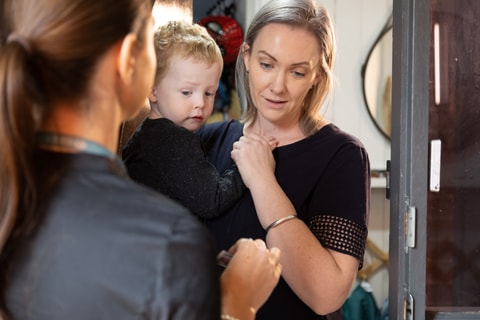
[
  {"x": 127, "y": 58},
  {"x": 318, "y": 78},
  {"x": 245, "y": 50}
]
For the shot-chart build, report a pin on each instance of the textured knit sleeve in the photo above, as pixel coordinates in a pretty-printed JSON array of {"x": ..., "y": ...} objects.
[
  {"x": 171, "y": 160},
  {"x": 196, "y": 183}
]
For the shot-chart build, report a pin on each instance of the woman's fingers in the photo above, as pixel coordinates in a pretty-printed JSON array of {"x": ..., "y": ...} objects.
[{"x": 252, "y": 273}]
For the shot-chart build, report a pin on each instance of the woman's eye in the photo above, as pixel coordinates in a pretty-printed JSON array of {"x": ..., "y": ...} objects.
[
  {"x": 265, "y": 65},
  {"x": 298, "y": 74}
]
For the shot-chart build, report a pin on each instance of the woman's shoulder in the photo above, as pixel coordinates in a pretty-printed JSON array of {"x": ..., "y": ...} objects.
[
  {"x": 132, "y": 203},
  {"x": 328, "y": 143},
  {"x": 220, "y": 129},
  {"x": 331, "y": 137},
  {"x": 150, "y": 201},
  {"x": 333, "y": 132}
]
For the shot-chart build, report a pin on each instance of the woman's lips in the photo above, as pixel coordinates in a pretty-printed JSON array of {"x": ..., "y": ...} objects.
[{"x": 275, "y": 103}]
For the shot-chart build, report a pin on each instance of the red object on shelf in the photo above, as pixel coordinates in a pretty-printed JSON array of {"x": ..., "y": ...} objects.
[{"x": 227, "y": 33}]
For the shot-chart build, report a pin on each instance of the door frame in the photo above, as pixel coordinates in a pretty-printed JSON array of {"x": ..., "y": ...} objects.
[
  {"x": 409, "y": 166},
  {"x": 409, "y": 157}
]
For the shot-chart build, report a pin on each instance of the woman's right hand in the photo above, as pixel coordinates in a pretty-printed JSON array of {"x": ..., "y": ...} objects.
[
  {"x": 250, "y": 277},
  {"x": 253, "y": 156}
]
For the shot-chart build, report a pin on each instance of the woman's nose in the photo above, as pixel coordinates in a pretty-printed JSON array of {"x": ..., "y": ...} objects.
[{"x": 278, "y": 82}]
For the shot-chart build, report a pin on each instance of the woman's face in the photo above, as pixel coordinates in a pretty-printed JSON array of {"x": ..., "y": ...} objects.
[{"x": 282, "y": 64}]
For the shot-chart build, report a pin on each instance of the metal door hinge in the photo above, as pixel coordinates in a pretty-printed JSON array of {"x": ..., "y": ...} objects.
[
  {"x": 387, "y": 180},
  {"x": 408, "y": 307}
]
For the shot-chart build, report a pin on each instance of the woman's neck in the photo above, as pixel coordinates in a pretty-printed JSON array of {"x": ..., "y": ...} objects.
[
  {"x": 69, "y": 120},
  {"x": 285, "y": 134}
]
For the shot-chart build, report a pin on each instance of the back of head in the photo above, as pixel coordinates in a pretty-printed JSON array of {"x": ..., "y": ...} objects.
[
  {"x": 48, "y": 55},
  {"x": 166, "y": 10},
  {"x": 308, "y": 15},
  {"x": 178, "y": 38},
  {"x": 65, "y": 39}
]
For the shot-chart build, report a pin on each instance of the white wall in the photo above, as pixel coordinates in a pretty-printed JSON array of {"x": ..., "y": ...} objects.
[{"x": 357, "y": 24}]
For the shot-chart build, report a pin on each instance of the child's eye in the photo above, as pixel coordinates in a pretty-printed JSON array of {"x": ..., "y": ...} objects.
[
  {"x": 209, "y": 94},
  {"x": 186, "y": 93}
]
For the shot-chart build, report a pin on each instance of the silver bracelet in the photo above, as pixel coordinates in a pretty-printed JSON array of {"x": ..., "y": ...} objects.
[
  {"x": 227, "y": 317},
  {"x": 280, "y": 221}
]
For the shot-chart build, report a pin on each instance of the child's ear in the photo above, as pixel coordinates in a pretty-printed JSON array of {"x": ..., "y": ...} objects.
[
  {"x": 127, "y": 59},
  {"x": 153, "y": 95}
]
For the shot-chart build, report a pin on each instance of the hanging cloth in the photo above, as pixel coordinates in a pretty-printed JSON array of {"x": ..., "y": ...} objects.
[{"x": 361, "y": 304}]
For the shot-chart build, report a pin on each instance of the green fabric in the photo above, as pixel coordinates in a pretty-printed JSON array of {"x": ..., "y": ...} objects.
[{"x": 360, "y": 305}]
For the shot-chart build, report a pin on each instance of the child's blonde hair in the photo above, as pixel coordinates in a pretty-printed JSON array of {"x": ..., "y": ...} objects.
[{"x": 187, "y": 40}]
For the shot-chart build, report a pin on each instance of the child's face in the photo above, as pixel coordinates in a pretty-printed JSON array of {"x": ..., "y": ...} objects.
[{"x": 186, "y": 93}]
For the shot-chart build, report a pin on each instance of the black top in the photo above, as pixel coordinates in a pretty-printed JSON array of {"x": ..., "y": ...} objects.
[
  {"x": 108, "y": 248},
  {"x": 172, "y": 160},
  {"x": 327, "y": 178}
]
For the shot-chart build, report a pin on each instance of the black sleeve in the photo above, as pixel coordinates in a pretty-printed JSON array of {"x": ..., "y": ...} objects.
[
  {"x": 340, "y": 203},
  {"x": 196, "y": 183},
  {"x": 218, "y": 139},
  {"x": 175, "y": 164}
]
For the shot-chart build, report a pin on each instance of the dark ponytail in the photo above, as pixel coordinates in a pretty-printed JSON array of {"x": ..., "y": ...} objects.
[{"x": 17, "y": 129}]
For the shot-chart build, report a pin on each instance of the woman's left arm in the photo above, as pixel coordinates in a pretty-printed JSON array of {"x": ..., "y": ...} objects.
[{"x": 322, "y": 278}]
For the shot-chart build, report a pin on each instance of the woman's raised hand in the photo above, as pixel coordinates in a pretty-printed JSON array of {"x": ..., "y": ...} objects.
[
  {"x": 251, "y": 275},
  {"x": 253, "y": 156}
]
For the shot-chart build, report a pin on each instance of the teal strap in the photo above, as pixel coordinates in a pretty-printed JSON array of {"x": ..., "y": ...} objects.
[{"x": 76, "y": 143}]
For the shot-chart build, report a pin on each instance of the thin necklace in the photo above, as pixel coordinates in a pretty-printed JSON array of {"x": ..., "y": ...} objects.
[{"x": 78, "y": 144}]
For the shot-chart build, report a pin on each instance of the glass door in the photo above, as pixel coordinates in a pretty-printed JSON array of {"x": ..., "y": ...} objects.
[
  {"x": 453, "y": 220},
  {"x": 434, "y": 270}
]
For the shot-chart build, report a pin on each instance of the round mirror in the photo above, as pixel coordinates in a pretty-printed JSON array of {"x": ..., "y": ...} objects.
[{"x": 377, "y": 82}]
